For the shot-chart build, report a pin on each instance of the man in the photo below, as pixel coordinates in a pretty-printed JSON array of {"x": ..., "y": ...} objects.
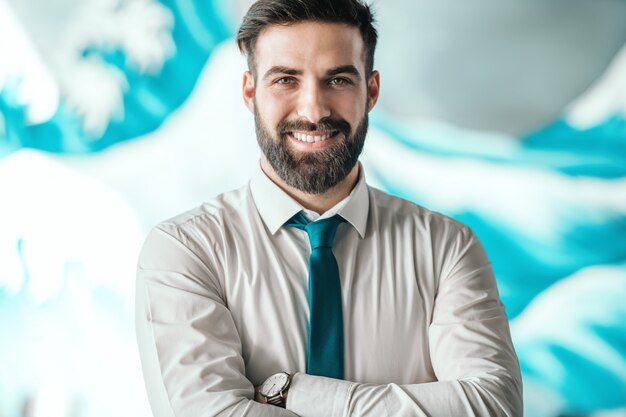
[{"x": 329, "y": 296}]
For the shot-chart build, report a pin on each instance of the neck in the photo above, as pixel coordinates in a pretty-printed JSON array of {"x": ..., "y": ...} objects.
[{"x": 319, "y": 203}]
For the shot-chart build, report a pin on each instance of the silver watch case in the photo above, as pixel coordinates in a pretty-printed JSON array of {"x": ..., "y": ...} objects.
[{"x": 273, "y": 393}]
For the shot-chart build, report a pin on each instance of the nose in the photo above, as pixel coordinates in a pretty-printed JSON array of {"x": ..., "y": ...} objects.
[{"x": 312, "y": 103}]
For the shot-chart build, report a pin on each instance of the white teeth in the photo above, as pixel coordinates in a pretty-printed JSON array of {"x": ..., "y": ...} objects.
[{"x": 310, "y": 138}]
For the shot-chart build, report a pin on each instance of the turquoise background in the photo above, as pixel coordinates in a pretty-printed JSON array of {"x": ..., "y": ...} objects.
[{"x": 549, "y": 206}]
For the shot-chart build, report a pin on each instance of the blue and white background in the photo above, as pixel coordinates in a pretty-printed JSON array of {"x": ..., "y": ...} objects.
[{"x": 116, "y": 114}]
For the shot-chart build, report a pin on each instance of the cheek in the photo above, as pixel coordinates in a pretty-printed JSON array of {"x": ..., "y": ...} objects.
[
  {"x": 273, "y": 108},
  {"x": 351, "y": 109}
]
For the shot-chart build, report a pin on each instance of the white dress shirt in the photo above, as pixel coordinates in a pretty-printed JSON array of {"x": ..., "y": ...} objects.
[{"x": 222, "y": 305}]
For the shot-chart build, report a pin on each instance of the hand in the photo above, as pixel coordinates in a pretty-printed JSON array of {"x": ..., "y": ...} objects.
[{"x": 257, "y": 395}]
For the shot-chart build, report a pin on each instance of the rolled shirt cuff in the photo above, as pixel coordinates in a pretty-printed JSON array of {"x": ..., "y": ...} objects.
[{"x": 313, "y": 396}]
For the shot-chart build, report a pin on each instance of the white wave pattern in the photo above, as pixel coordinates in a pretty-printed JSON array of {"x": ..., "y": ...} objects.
[
  {"x": 68, "y": 251},
  {"x": 605, "y": 98},
  {"x": 141, "y": 29},
  {"x": 21, "y": 63}
]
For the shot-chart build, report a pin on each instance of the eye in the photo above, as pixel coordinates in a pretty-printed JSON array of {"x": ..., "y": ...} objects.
[
  {"x": 284, "y": 80},
  {"x": 339, "y": 81}
]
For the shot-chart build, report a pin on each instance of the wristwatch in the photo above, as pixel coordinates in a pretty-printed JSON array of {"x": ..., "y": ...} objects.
[{"x": 274, "y": 387}]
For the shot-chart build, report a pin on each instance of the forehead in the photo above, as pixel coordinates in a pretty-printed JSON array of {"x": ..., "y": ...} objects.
[{"x": 309, "y": 45}]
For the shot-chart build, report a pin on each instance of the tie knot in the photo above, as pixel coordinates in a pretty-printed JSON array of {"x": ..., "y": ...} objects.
[{"x": 321, "y": 233}]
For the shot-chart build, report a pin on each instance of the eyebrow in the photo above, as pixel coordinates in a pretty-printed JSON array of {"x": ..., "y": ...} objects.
[
  {"x": 281, "y": 70},
  {"x": 343, "y": 69}
]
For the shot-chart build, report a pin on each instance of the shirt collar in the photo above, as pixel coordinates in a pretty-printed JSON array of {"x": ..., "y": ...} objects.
[{"x": 276, "y": 207}]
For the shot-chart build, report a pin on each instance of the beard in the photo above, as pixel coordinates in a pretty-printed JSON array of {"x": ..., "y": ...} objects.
[{"x": 316, "y": 171}]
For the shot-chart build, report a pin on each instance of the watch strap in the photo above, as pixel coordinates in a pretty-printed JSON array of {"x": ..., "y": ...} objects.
[{"x": 277, "y": 400}]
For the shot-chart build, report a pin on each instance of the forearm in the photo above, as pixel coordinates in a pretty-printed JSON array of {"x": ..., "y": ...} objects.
[
  {"x": 470, "y": 349},
  {"x": 312, "y": 396},
  {"x": 182, "y": 393},
  {"x": 189, "y": 346}
]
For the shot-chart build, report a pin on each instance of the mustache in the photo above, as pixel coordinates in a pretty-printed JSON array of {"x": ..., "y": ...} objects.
[{"x": 326, "y": 123}]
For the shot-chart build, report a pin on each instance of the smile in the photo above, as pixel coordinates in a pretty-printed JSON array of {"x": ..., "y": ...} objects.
[{"x": 312, "y": 137}]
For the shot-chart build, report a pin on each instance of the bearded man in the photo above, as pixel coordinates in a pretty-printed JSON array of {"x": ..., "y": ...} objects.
[{"x": 330, "y": 297}]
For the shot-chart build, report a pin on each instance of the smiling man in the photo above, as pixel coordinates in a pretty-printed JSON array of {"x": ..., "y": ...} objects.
[
  {"x": 307, "y": 292},
  {"x": 312, "y": 121}
]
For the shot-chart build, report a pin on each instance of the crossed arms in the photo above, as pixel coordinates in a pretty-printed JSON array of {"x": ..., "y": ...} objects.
[{"x": 194, "y": 365}]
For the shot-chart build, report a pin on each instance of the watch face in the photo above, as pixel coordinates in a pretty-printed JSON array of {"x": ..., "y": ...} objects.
[{"x": 274, "y": 384}]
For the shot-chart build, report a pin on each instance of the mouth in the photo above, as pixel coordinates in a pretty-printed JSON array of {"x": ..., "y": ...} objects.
[{"x": 313, "y": 136}]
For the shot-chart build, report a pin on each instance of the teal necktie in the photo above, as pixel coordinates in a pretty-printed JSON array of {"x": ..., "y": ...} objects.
[{"x": 325, "y": 356}]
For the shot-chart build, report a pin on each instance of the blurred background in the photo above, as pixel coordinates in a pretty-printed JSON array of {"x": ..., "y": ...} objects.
[{"x": 115, "y": 114}]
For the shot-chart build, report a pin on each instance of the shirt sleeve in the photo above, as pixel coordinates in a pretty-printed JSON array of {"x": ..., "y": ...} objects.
[
  {"x": 471, "y": 352},
  {"x": 189, "y": 346}
]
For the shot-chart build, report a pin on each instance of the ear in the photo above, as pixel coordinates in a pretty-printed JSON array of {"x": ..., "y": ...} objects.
[
  {"x": 373, "y": 90},
  {"x": 248, "y": 90}
]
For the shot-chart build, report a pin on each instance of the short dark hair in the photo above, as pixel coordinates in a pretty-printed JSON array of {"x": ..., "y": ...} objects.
[{"x": 285, "y": 12}]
